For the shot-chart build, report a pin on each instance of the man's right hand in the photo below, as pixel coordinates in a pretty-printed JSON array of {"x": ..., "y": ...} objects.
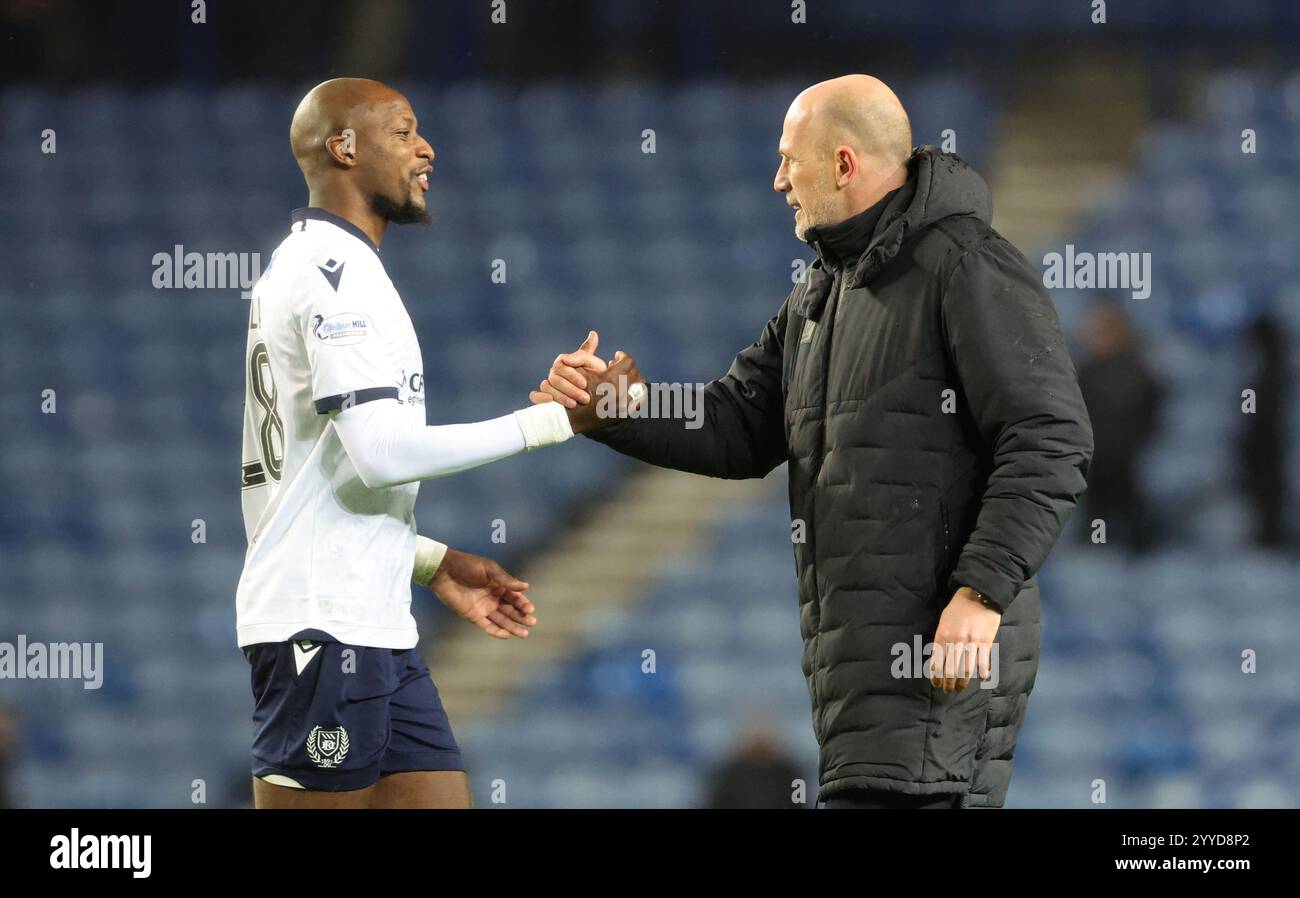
[
  {"x": 593, "y": 392},
  {"x": 566, "y": 379}
]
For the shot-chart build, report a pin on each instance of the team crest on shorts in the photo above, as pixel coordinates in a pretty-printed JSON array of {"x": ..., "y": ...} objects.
[{"x": 327, "y": 748}]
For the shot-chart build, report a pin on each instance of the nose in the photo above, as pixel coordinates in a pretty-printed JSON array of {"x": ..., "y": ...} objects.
[
  {"x": 781, "y": 183},
  {"x": 425, "y": 150}
]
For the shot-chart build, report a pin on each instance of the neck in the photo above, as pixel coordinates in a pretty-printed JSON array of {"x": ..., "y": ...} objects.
[
  {"x": 351, "y": 206},
  {"x": 842, "y": 244},
  {"x": 875, "y": 188}
]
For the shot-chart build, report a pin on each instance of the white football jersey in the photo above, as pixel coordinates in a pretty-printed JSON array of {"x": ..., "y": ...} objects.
[{"x": 325, "y": 552}]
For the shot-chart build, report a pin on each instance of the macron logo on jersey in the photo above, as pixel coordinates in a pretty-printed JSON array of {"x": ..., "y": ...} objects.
[
  {"x": 333, "y": 272},
  {"x": 303, "y": 651}
]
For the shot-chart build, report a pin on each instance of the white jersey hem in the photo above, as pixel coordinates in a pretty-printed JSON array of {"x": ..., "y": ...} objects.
[{"x": 346, "y": 633}]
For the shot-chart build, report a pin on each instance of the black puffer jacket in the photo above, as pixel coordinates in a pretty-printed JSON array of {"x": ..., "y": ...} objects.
[{"x": 919, "y": 387}]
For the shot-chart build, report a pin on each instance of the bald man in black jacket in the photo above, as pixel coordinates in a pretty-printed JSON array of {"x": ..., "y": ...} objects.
[{"x": 918, "y": 386}]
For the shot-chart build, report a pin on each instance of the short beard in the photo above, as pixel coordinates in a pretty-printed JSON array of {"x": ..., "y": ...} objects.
[
  {"x": 817, "y": 213},
  {"x": 801, "y": 231},
  {"x": 399, "y": 213},
  {"x": 816, "y": 216}
]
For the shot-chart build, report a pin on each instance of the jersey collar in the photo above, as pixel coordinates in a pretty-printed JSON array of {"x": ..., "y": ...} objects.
[{"x": 317, "y": 214}]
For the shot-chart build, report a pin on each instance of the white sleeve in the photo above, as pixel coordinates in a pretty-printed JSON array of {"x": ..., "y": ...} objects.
[
  {"x": 349, "y": 358},
  {"x": 388, "y": 446},
  {"x": 429, "y": 554}
]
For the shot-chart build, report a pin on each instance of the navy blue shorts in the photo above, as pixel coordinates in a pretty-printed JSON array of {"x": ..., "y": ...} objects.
[{"x": 335, "y": 717}]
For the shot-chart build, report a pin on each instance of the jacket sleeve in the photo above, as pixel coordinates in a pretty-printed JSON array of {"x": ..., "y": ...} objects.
[
  {"x": 740, "y": 428},
  {"x": 1004, "y": 340}
]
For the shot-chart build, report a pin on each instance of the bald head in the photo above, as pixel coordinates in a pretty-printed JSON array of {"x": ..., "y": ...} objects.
[
  {"x": 862, "y": 112},
  {"x": 845, "y": 144},
  {"x": 328, "y": 109},
  {"x": 357, "y": 145}
]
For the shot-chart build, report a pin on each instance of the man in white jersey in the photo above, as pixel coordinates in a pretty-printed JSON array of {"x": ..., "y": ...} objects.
[{"x": 335, "y": 443}]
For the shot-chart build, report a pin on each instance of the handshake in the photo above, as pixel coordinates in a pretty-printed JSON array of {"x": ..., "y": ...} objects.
[{"x": 594, "y": 392}]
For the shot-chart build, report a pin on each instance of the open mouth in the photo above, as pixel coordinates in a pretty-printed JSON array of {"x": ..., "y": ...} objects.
[{"x": 423, "y": 180}]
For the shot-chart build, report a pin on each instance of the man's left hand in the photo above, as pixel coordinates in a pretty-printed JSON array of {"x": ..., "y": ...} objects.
[
  {"x": 480, "y": 591},
  {"x": 963, "y": 642}
]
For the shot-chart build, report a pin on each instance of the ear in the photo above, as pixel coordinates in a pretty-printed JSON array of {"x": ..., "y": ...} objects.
[
  {"x": 846, "y": 165},
  {"x": 342, "y": 147}
]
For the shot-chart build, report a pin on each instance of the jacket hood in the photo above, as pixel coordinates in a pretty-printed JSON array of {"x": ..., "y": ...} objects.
[{"x": 940, "y": 185}]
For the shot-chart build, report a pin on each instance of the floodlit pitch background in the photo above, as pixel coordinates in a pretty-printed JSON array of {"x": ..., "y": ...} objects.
[{"x": 609, "y": 166}]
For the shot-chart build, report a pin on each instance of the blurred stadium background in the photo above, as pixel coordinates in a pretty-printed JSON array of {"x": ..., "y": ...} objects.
[{"x": 1116, "y": 137}]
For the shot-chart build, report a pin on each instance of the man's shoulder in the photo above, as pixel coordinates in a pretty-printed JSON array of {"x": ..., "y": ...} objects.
[
  {"x": 313, "y": 267},
  {"x": 946, "y": 243},
  {"x": 965, "y": 233},
  {"x": 324, "y": 258}
]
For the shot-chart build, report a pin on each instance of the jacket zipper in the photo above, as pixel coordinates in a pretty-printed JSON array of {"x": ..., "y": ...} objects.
[
  {"x": 818, "y": 729},
  {"x": 839, "y": 300}
]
